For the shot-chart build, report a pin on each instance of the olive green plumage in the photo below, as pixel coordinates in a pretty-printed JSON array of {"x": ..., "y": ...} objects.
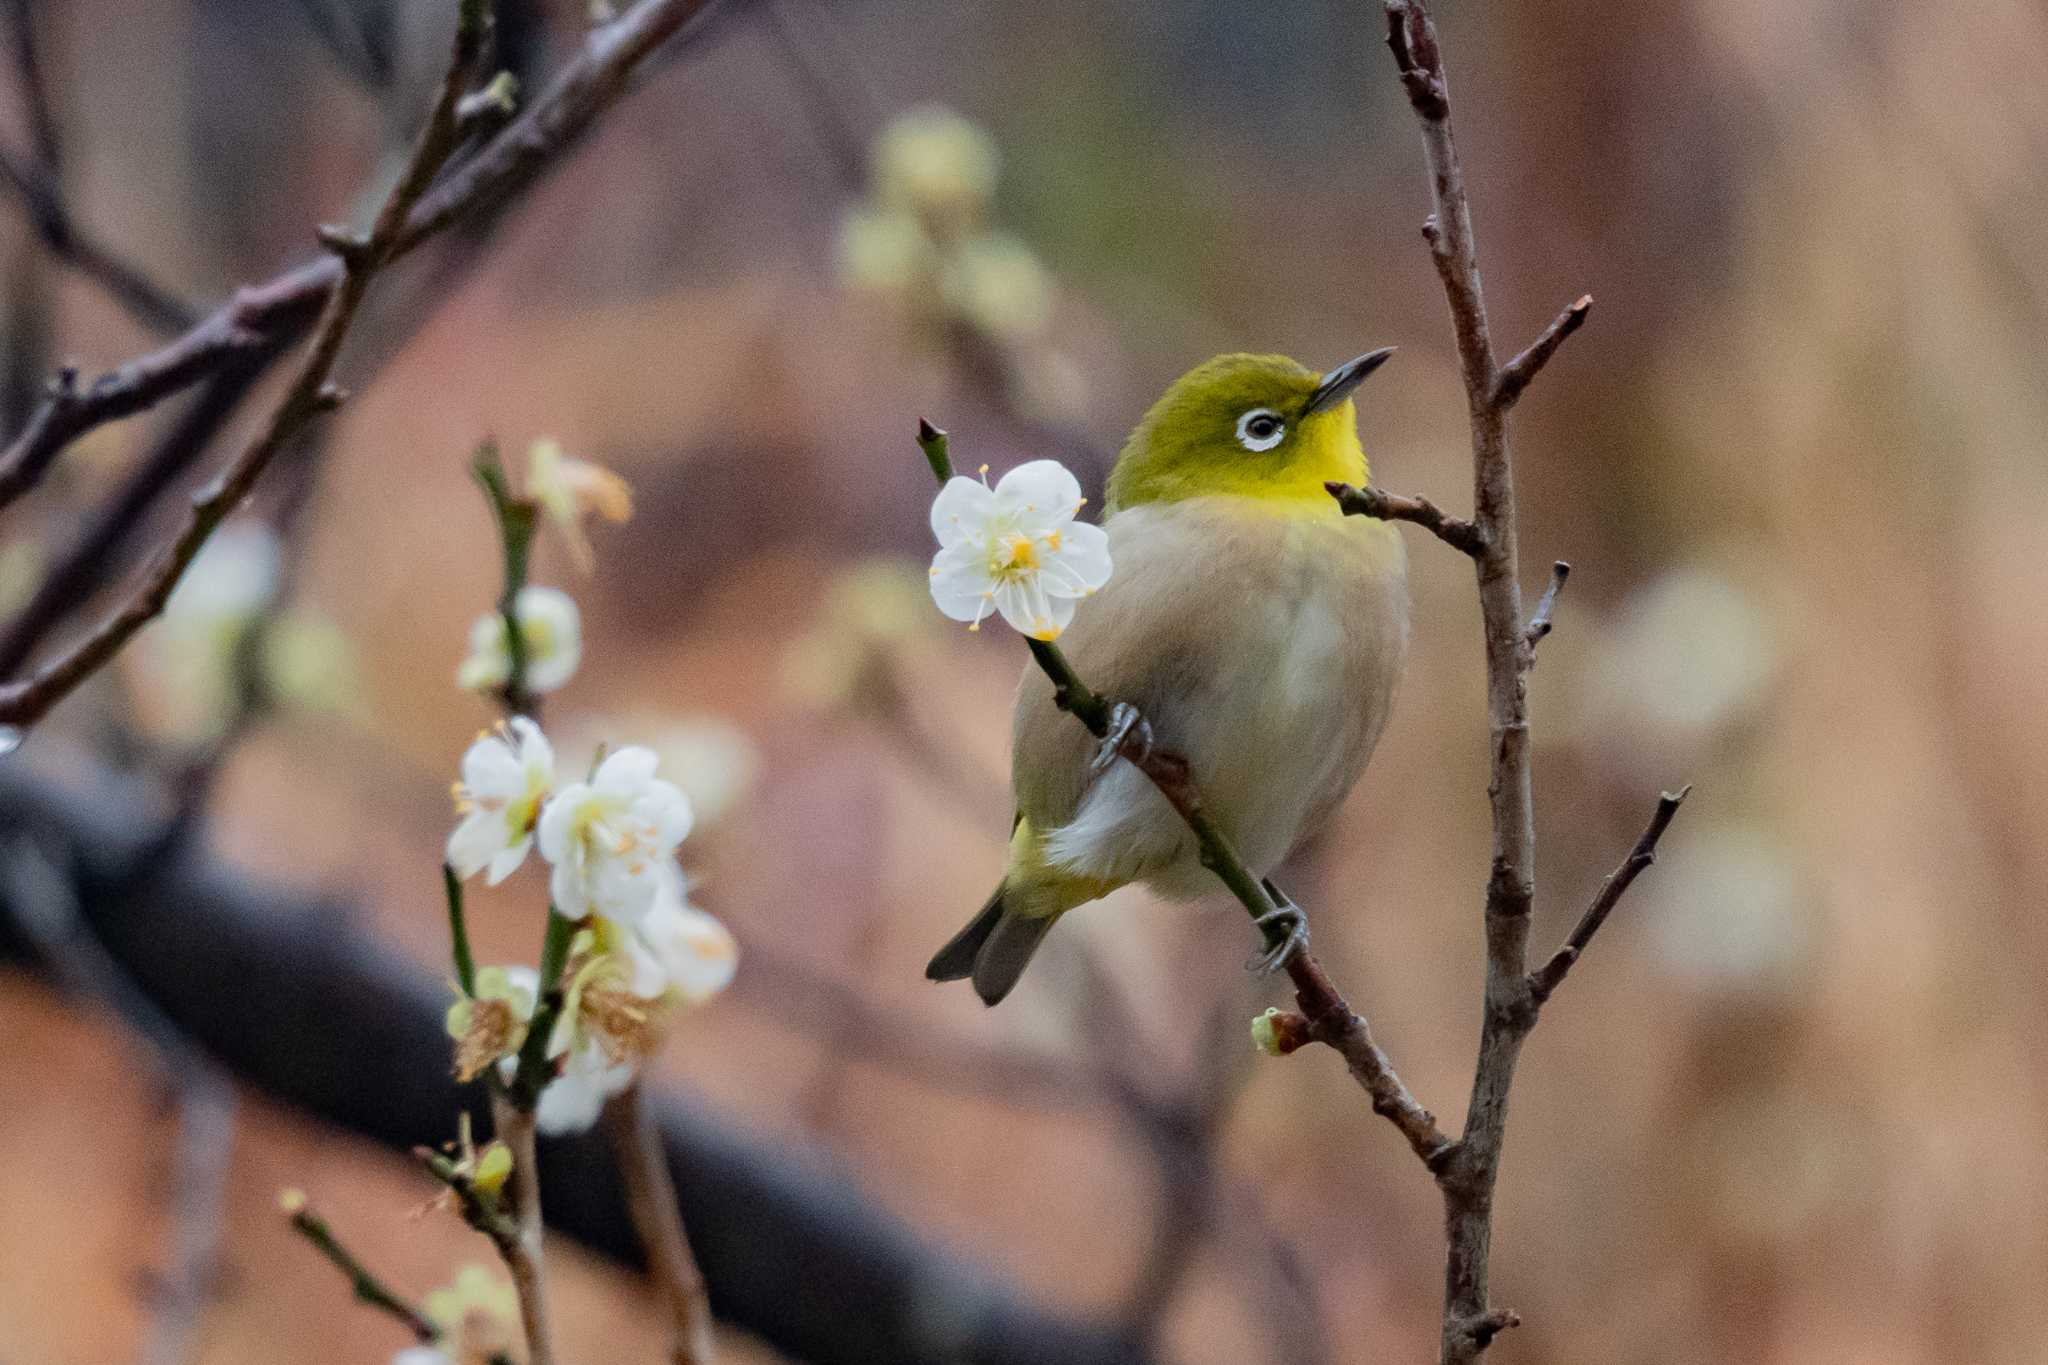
[{"x": 1257, "y": 629}]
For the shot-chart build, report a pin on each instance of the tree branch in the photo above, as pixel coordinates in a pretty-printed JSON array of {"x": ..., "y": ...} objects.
[
  {"x": 261, "y": 321},
  {"x": 287, "y": 993},
  {"x": 1462, "y": 536},
  {"x": 657, "y": 1221},
  {"x": 1544, "y": 981},
  {"x": 1467, "y": 1180},
  {"x": 523, "y": 1252},
  {"x": 1516, "y": 374},
  {"x": 367, "y": 1288}
]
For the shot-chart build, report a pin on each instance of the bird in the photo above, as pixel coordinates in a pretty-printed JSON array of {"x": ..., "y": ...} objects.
[{"x": 1257, "y": 631}]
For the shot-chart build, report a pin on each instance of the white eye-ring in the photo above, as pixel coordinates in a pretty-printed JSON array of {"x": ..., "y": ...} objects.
[{"x": 1260, "y": 429}]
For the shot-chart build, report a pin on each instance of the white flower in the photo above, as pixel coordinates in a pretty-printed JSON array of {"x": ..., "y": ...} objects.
[
  {"x": 607, "y": 838},
  {"x": 572, "y": 1101},
  {"x": 422, "y": 1355},
  {"x": 235, "y": 575},
  {"x": 1016, "y": 549},
  {"x": 995, "y": 282},
  {"x": 551, "y": 630},
  {"x": 568, "y": 489},
  {"x": 681, "y": 954},
  {"x": 506, "y": 775}
]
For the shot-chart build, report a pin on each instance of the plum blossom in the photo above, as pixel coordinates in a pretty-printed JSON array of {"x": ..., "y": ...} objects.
[
  {"x": 1016, "y": 549},
  {"x": 506, "y": 775},
  {"x": 608, "y": 838},
  {"x": 551, "y": 630},
  {"x": 568, "y": 489}
]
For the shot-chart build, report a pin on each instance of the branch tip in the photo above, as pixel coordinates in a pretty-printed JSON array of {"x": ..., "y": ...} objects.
[
  {"x": 1515, "y": 376},
  {"x": 1460, "y": 535}
]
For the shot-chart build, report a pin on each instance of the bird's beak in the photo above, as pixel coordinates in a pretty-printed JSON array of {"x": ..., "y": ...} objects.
[{"x": 1336, "y": 386}]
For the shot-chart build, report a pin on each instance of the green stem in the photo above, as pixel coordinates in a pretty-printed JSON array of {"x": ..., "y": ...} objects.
[
  {"x": 458, "y": 932},
  {"x": 368, "y": 1288},
  {"x": 932, "y": 442},
  {"x": 532, "y": 1075},
  {"x": 516, "y": 519},
  {"x": 1070, "y": 694}
]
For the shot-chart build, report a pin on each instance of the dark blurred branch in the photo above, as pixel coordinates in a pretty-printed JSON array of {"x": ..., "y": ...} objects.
[
  {"x": 359, "y": 258},
  {"x": 231, "y": 348},
  {"x": 1513, "y": 996},
  {"x": 658, "y": 1222},
  {"x": 149, "y": 303},
  {"x": 283, "y": 992},
  {"x": 47, "y": 913}
]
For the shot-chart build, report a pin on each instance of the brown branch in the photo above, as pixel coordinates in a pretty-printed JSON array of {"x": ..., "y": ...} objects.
[
  {"x": 1516, "y": 374},
  {"x": 410, "y": 214},
  {"x": 522, "y": 1250},
  {"x": 1463, "y": 536},
  {"x": 261, "y": 320},
  {"x": 658, "y": 1221},
  {"x": 149, "y": 303},
  {"x": 1546, "y": 979},
  {"x": 1467, "y": 1179}
]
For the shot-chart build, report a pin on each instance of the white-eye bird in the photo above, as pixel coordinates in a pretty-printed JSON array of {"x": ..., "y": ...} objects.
[{"x": 1256, "y": 628}]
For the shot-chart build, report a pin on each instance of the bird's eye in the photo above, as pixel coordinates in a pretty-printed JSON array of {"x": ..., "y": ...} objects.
[{"x": 1260, "y": 429}]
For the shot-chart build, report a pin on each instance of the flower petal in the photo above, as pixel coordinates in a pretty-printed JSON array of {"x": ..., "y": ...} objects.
[
  {"x": 961, "y": 506},
  {"x": 625, "y": 770},
  {"x": 960, "y": 582},
  {"x": 1084, "y": 553},
  {"x": 1044, "y": 492}
]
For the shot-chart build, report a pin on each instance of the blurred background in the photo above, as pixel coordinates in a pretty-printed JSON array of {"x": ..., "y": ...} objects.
[{"x": 1791, "y": 1108}]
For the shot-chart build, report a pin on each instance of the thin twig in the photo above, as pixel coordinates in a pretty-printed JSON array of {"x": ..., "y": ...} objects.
[
  {"x": 308, "y": 396},
  {"x": 1546, "y": 979},
  {"x": 368, "y": 1288},
  {"x": 149, "y": 303},
  {"x": 1516, "y": 374},
  {"x": 658, "y": 1220},
  {"x": 1462, "y": 536},
  {"x": 522, "y": 1252},
  {"x": 1539, "y": 624}
]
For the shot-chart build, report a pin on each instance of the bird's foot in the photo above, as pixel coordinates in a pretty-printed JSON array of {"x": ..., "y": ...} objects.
[
  {"x": 1290, "y": 923},
  {"x": 1129, "y": 734}
]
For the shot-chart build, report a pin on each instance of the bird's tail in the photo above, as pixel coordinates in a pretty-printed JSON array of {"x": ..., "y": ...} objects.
[{"x": 994, "y": 948}]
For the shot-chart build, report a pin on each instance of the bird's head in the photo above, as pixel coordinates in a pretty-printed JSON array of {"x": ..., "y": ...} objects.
[{"x": 1259, "y": 426}]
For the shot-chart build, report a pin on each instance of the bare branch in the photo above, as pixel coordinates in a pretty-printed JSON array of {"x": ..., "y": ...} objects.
[
  {"x": 1546, "y": 979},
  {"x": 651, "y": 1201},
  {"x": 1516, "y": 374},
  {"x": 262, "y": 320},
  {"x": 1462, "y": 536},
  {"x": 522, "y": 1252}
]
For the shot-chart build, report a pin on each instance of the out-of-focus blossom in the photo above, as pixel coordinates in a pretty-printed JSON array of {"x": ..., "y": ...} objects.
[
  {"x": 608, "y": 837},
  {"x": 1016, "y": 549},
  {"x": 569, "y": 489},
  {"x": 685, "y": 952},
  {"x": 1730, "y": 911},
  {"x": 713, "y": 761},
  {"x": 884, "y": 250},
  {"x": 506, "y": 775},
  {"x": 996, "y": 283},
  {"x": 936, "y": 163},
  {"x": 549, "y": 626},
  {"x": 310, "y": 664},
  {"x": 491, "y": 1025},
  {"x": 1689, "y": 652},
  {"x": 478, "y": 1317},
  {"x": 189, "y": 654}
]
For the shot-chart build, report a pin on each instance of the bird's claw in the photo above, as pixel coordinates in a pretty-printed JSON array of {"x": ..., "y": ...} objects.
[
  {"x": 1128, "y": 728},
  {"x": 1291, "y": 945}
]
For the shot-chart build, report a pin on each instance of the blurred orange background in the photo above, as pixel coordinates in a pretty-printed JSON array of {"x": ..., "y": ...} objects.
[{"x": 1789, "y": 1108}]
